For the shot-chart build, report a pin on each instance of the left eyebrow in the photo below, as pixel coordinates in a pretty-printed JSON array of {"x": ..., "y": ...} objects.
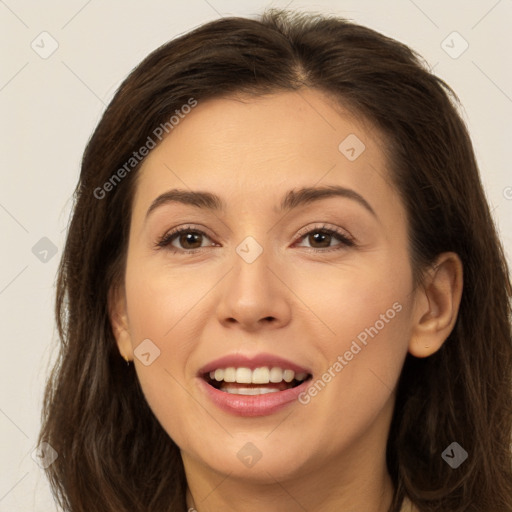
[
  {"x": 307, "y": 195},
  {"x": 292, "y": 199}
]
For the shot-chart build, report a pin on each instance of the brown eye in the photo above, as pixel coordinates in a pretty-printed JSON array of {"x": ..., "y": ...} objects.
[
  {"x": 184, "y": 240},
  {"x": 323, "y": 239},
  {"x": 190, "y": 240}
]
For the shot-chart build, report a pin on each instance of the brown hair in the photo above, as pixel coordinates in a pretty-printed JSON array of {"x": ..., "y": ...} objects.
[{"x": 113, "y": 453}]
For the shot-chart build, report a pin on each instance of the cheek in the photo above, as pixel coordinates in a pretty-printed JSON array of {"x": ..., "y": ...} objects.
[
  {"x": 165, "y": 306},
  {"x": 162, "y": 301},
  {"x": 365, "y": 314},
  {"x": 361, "y": 294}
]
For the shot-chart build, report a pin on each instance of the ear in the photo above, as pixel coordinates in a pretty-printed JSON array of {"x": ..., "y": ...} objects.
[
  {"x": 118, "y": 316},
  {"x": 437, "y": 305}
]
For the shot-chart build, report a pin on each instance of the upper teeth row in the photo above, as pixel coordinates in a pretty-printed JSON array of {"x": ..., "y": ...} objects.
[{"x": 262, "y": 375}]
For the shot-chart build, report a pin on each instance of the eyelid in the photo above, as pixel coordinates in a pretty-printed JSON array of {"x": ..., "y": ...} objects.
[
  {"x": 166, "y": 239},
  {"x": 345, "y": 238}
]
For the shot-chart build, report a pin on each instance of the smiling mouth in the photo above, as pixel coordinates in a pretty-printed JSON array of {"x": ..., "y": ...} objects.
[{"x": 260, "y": 381}]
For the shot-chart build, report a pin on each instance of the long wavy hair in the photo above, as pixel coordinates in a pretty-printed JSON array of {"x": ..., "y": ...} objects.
[{"x": 113, "y": 453}]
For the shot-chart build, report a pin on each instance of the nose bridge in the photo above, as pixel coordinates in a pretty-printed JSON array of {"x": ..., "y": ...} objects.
[
  {"x": 252, "y": 292},
  {"x": 250, "y": 278}
]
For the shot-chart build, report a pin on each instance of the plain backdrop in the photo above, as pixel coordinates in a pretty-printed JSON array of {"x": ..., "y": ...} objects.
[{"x": 51, "y": 102}]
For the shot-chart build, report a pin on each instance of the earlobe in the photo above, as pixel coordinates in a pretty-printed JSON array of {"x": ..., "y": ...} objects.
[
  {"x": 437, "y": 305},
  {"x": 118, "y": 317}
]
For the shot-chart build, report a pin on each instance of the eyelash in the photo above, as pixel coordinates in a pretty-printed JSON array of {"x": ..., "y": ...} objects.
[{"x": 167, "y": 239}]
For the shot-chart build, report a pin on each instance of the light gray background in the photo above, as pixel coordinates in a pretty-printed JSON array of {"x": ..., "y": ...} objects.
[{"x": 50, "y": 107}]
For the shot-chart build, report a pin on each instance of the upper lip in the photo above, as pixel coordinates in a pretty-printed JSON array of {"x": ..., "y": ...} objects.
[{"x": 252, "y": 362}]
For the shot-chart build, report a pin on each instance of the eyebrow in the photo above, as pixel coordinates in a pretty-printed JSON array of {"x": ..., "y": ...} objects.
[{"x": 292, "y": 199}]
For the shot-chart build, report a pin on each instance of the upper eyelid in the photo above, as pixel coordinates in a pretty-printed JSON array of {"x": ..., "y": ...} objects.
[
  {"x": 320, "y": 226},
  {"x": 171, "y": 235},
  {"x": 324, "y": 226}
]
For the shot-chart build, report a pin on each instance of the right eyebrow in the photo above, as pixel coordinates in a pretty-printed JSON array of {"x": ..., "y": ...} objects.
[{"x": 205, "y": 200}]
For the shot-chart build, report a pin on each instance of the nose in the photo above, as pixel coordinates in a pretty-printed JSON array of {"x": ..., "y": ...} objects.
[{"x": 254, "y": 296}]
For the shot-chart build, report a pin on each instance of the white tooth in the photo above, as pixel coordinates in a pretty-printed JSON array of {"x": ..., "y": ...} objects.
[
  {"x": 261, "y": 375},
  {"x": 229, "y": 374},
  {"x": 276, "y": 375},
  {"x": 219, "y": 374},
  {"x": 288, "y": 375},
  {"x": 301, "y": 376},
  {"x": 243, "y": 375},
  {"x": 212, "y": 375},
  {"x": 250, "y": 391}
]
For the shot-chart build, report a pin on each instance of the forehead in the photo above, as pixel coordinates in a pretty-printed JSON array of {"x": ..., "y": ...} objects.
[{"x": 246, "y": 147}]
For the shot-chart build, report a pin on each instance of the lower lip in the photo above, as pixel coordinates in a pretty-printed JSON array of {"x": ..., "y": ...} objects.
[{"x": 253, "y": 405}]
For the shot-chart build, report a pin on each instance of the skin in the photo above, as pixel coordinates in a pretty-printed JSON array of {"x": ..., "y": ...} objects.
[{"x": 293, "y": 302}]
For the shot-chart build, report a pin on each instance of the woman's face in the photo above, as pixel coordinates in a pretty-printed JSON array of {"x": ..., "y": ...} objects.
[{"x": 301, "y": 271}]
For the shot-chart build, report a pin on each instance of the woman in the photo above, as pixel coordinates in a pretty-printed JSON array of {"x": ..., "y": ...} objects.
[{"x": 280, "y": 226}]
